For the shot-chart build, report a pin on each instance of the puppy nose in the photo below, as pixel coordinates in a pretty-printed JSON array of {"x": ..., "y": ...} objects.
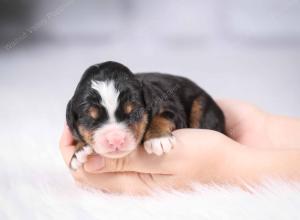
[{"x": 115, "y": 139}]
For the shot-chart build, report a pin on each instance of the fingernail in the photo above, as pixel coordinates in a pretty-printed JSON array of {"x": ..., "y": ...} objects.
[{"x": 95, "y": 162}]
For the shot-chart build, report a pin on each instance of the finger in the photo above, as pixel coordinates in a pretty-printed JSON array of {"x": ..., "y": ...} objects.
[
  {"x": 141, "y": 162},
  {"x": 94, "y": 163},
  {"x": 235, "y": 113},
  {"x": 236, "y": 110},
  {"x": 129, "y": 182},
  {"x": 66, "y": 145},
  {"x": 137, "y": 161},
  {"x": 66, "y": 137},
  {"x": 239, "y": 116}
]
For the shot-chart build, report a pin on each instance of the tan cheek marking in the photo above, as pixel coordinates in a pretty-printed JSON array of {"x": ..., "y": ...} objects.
[
  {"x": 86, "y": 134},
  {"x": 196, "y": 113},
  {"x": 159, "y": 127},
  {"x": 94, "y": 112},
  {"x": 128, "y": 107},
  {"x": 80, "y": 145},
  {"x": 139, "y": 128}
]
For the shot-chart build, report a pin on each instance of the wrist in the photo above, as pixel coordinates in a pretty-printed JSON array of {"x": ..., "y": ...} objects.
[
  {"x": 231, "y": 156},
  {"x": 251, "y": 166},
  {"x": 284, "y": 131},
  {"x": 243, "y": 166}
]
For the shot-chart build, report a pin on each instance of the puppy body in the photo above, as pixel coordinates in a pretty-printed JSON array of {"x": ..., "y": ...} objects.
[
  {"x": 114, "y": 110},
  {"x": 181, "y": 101}
]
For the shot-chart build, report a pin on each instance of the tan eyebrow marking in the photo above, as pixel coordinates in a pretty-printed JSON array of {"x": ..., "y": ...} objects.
[
  {"x": 128, "y": 107},
  {"x": 94, "y": 112}
]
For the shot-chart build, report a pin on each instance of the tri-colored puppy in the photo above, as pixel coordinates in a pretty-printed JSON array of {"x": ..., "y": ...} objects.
[{"x": 113, "y": 111}]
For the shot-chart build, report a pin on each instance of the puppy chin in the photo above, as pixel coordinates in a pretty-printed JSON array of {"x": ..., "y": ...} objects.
[
  {"x": 113, "y": 154},
  {"x": 116, "y": 154}
]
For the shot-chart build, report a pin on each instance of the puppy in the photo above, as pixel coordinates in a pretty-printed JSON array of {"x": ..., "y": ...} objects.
[{"x": 113, "y": 111}]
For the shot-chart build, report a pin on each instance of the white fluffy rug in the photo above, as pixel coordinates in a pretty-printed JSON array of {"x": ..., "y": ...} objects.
[{"x": 31, "y": 193}]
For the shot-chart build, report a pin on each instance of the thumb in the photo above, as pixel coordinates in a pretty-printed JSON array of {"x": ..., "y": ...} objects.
[
  {"x": 138, "y": 161},
  {"x": 67, "y": 144}
]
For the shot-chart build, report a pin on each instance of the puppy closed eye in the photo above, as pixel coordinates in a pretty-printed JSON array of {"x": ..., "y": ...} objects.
[{"x": 168, "y": 114}]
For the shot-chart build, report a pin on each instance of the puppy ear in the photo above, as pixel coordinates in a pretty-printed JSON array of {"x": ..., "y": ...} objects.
[
  {"x": 72, "y": 118},
  {"x": 150, "y": 100}
]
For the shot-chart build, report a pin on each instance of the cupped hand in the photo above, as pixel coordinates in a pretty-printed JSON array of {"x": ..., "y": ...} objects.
[
  {"x": 198, "y": 156},
  {"x": 253, "y": 127},
  {"x": 247, "y": 124}
]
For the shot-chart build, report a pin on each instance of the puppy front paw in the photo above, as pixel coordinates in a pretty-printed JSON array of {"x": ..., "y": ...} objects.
[
  {"x": 159, "y": 145},
  {"x": 80, "y": 157}
]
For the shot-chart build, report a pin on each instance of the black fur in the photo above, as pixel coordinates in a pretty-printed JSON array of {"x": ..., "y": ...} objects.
[{"x": 175, "y": 95}]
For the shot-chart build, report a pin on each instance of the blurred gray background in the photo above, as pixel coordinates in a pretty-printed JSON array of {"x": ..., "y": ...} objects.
[{"x": 247, "y": 50}]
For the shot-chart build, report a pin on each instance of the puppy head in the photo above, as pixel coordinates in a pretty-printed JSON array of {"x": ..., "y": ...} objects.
[{"x": 107, "y": 110}]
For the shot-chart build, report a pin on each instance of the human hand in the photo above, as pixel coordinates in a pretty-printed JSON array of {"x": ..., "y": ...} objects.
[
  {"x": 246, "y": 124},
  {"x": 190, "y": 161},
  {"x": 253, "y": 127},
  {"x": 201, "y": 155}
]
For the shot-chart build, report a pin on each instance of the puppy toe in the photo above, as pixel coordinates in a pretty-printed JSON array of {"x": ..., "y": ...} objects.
[
  {"x": 172, "y": 140},
  {"x": 80, "y": 157},
  {"x": 166, "y": 144},
  {"x": 157, "y": 146},
  {"x": 147, "y": 146},
  {"x": 75, "y": 164},
  {"x": 160, "y": 145},
  {"x": 88, "y": 149}
]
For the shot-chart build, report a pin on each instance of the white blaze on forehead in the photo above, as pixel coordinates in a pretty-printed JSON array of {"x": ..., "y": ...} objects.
[{"x": 109, "y": 95}]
